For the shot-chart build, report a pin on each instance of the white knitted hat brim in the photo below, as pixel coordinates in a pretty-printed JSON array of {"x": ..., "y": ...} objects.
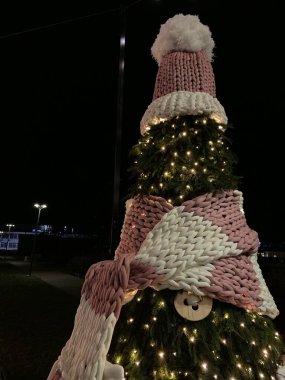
[{"x": 181, "y": 103}]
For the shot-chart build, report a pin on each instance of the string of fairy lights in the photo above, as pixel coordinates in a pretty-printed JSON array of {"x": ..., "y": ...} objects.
[
  {"x": 265, "y": 355},
  {"x": 175, "y": 156}
]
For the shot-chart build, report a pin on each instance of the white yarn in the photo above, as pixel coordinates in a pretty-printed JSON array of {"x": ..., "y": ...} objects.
[
  {"x": 84, "y": 355},
  {"x": 268, "y": 307},
  {"x": 184, "y": 254},
  {"x": 179, "y": 103},
  {"x": 182, "y": 33}
]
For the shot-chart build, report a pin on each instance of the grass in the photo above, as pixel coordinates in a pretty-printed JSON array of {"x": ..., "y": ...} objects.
[{"x": 36, "y": 319}]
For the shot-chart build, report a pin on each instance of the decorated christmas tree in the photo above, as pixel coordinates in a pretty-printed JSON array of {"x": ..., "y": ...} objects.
[{"x": 184, "y": 297}]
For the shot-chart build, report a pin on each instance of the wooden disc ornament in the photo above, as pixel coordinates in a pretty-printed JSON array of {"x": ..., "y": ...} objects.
[{"x": 192, "y": 307}]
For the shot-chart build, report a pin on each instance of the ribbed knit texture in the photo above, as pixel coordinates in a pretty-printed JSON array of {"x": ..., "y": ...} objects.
[{"x": 184, "y": 71}]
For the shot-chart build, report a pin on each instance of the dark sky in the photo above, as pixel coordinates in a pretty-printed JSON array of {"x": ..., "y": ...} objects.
[{"x": 59, "y": 98}]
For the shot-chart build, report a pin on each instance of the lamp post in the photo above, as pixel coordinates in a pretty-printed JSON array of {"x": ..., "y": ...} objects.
[
  {"x": 40, "y": 207},
  {"x": 8, "y": 237}
]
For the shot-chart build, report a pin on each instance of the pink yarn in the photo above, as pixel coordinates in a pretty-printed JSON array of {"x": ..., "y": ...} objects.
[
  {"x": 223, "y": 209},
  {"x": 234, "y": 281},
  {"x": 144, "y": 214},
  {"x": 185, "y": 71}
]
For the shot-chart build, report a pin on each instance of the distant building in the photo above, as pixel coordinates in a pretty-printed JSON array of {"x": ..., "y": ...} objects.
[{"x": 9, "y": 241}]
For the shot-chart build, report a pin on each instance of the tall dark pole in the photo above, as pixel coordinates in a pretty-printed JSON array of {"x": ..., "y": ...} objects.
[
  {"x": 118, "y": 139},
  {"x": 39, "y": 207}
]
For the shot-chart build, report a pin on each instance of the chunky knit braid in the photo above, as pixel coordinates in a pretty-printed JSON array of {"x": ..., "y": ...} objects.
[{"x": 204, "y": 246}]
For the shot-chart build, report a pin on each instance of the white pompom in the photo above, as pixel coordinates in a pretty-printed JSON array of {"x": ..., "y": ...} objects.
[{"x": 183, "y": 33}]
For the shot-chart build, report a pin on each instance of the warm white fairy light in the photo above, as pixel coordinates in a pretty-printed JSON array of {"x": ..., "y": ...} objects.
[
  {"x": 161, "y": 185},
  {"x": 204, "y": 366},
  {"x": 146, "y": 326},
  {"x": 163, "y": 148},
  {"x": 137, "y": 363},
  {"x": 161, "y": 354},
  {"x": 265, "y": 353},
  {"x": 192, "y": 339},
  {"x": 253, "y": 343},
  {"x": 188, "y": 153},
  {"x": 226, "y": 315},
  {"x": 130, "y": 320},
  {"x": 196, "y": 163},
  {"x": 184, "y": 133},
  {"x": 224, "y": 341},
  {"x": 239, "y": 365},
  {"x": 172, "y": 163},
  {"x": 261, "y": 375},
  {"x": 204, "y": 121},
  {"x": 118, "y": 359},
  {"x": 154, "y": 319},
  {"x": 215, "y": 376},
  {"x": 174, "y": 353},
  {"x": 242, "y": 324},
  {"x": 175, "y": 154}
]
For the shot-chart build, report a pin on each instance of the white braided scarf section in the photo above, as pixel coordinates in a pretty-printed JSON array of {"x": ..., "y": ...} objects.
[
  {"x": 84, "y": 355},
  {"x": 179, "y": 103},
  {"x": 181, "y": 247},
  {"x": 268, "y": 307}
]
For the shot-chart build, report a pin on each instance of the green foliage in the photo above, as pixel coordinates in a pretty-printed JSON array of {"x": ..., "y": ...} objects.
[
  {"x": 152, "y": 341},
  {"x": 183, "y": 157}
]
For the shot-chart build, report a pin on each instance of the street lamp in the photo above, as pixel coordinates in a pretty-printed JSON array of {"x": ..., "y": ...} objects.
[
  {"x": 8, "y": 237},
  {"x": 40, "y": 207},
  {"x": 9, "y": 226}
]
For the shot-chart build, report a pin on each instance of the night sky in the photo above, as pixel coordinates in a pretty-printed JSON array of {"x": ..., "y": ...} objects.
[{"x": 59, "y": 99}]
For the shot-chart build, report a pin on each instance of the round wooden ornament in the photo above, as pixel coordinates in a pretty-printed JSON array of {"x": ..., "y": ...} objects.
[{"x": 192, "y": 307}]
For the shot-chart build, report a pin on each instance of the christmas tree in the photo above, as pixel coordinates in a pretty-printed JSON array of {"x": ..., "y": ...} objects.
[{"x": 184, "y": 297}]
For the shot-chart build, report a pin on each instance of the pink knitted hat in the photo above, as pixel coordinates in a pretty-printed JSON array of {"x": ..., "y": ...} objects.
[{"x": 185, "y": 82}]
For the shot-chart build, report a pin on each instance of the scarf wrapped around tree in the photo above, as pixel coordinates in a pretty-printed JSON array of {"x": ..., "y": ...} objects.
[{"x": 186, "y": 266}]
